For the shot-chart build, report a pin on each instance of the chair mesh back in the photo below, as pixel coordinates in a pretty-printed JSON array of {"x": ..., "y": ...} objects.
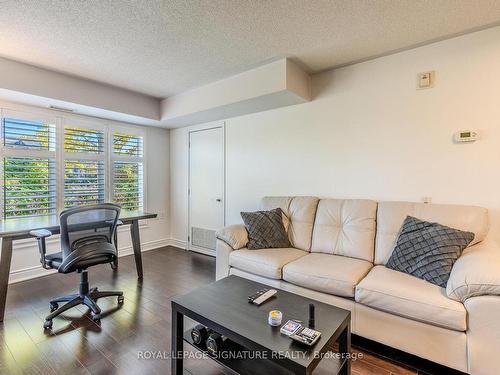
[{"x": 82, "y": 225}]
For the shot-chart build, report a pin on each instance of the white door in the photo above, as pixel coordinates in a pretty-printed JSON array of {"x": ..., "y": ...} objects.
[{"x": 206, "y": 188}]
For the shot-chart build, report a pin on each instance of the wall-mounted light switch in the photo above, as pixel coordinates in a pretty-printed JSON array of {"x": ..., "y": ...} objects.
[{"x": 425, "y": 80}]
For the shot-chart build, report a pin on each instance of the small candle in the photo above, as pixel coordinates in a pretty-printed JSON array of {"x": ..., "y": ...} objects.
[{"x": 275, "y": 317}]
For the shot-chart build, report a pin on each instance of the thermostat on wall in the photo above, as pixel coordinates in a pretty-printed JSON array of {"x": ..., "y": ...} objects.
[{"x": 466, "y": 136}]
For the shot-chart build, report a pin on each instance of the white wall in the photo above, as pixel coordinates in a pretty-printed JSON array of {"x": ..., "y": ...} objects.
[
  {"x": 273, "y": 85},
  {"x": 368, "y": 133},
  {"x": 28, "y": 79},
  {"x": 154, "y": 232}
]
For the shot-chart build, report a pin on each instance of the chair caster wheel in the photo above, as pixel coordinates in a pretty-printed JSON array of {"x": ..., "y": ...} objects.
[
  {"x": 47, "y": 324},
  {"x": 96, "y": 318},
  {"x": 120, "y": 300},
  {"x": 54, "y": 307}
]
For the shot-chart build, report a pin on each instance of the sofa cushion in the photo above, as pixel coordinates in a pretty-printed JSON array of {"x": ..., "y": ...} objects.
[
  {"x": 265, "y": 229},
  {"x": 333, "y": 274},
  {"x": 299, "y": 221},
  {"x": 410, "y": 297},
  {"x": 345, "y": 227},
  {"x": 269, "y": 203},
  {"x": 264, "y": 262},
  {"x": 390, "y": 217},
  {"x": 428, "y": 250}
]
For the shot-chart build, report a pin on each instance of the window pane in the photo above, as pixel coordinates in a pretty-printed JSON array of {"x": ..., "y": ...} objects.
[
  {"x": 83, "y": 140},
  {"x": 126, "y": 144},
  {"x": 83, "y": 182},
  {"x": 28, "y": 134},
  {"x": 29, "y": 186},
  {"x": 128, "y": 185}
]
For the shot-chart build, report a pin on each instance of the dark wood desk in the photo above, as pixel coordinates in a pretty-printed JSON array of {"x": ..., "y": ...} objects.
[{"x": 18, "y": 229}]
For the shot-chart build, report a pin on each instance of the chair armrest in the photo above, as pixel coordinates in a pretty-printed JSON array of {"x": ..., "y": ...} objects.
[
  {"x": 235, "y": 236},
  {"x": 40, "y": 235},
  {"x": 475, "y": 273}
]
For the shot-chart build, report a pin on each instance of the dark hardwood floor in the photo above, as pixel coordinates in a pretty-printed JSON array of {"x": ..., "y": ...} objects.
[{"x": 141, "y": 327}]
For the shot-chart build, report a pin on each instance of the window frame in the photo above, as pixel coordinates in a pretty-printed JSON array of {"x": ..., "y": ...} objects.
[
  {"x": 134, "y": 131},
  {"x": 83, "y": 124},
  {"x": 6, "y": 151},
  {"x": 109, "y": 127}
]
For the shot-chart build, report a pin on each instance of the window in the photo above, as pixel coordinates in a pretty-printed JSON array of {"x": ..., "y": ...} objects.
[
  {"x": 88, "y": 141},
  {"x": 29, "y": 170},
  {"x": 128, "y": 145},
  {"x": 28, "y": 134},
  {"x": 84, "y": 179},
  {"x": 49, "y": 164},
  {"x": 30, "y": 187},
  {"x": 127, "y": 164}
]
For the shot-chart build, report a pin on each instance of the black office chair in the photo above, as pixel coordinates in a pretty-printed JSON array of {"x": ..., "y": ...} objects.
[{"x": 87, "y": 235}]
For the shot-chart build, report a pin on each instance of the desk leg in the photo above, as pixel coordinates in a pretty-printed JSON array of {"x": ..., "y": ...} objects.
[
  {"x": 5, "y": 258},
  {"x": 177, "y": 343},
  {"x": 345, "y": 349},
  {"x": 136, "y": 243}
]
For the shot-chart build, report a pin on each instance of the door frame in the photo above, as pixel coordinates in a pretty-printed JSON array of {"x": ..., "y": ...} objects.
[{"x": 197, "y": 129}]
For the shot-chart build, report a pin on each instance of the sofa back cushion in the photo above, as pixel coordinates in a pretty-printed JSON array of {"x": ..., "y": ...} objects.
[
  {"x": 391, "y": 215},
  {"x": 345, "y": 227},
  {"x": 299, "y": 213}
]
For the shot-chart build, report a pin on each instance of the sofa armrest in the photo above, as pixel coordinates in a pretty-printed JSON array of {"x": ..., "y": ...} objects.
[
  {"x": 230, "y": 238},
  {"x": 235, "y": 236},
  {"x": 483, "y": 335},
  {"x": 475, "y": 273}
]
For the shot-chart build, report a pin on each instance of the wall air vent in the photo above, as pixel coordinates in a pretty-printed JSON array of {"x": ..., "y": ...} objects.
[
  {"x": 203, "y": 238},
  {"x": 61, "y": 109}
]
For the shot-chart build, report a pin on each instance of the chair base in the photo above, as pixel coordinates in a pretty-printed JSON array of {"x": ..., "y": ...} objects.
[{"x": 84, "y": 297}]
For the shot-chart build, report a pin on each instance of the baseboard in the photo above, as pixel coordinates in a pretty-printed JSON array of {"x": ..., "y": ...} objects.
[
  {"x": 38, "y": 271},
  {"x": 28, "y": 273},
  {"x": 181, "y": 244},
  {"x": 202, "y": 250},
  {"x": 145, "y": 246}
]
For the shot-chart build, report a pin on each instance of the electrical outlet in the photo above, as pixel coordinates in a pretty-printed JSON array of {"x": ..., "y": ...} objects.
[{"x": 427, "y": 199}]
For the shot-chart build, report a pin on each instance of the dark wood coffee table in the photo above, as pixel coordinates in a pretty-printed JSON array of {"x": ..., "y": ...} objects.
[{"x": 223, "y": 307}]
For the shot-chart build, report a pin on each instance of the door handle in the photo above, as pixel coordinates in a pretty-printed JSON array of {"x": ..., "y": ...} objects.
[{"x": 218, "y": 200}]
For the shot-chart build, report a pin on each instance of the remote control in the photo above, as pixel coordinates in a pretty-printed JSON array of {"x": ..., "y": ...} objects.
[
  {"x": 264, "y": 297},
  {"x": 306, "y": 336},
  {"x": 254, "y": 296}
]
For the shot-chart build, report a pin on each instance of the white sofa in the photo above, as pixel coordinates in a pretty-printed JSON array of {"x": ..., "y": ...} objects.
[{"x": 339, "y": 249}]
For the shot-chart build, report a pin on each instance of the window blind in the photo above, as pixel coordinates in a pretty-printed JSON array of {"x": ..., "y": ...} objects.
[
  {"x": 127, "y": 145},
  {"x": 26, "y": 134},
  {"x": 43, "y": 174},
  {"x": 29, "y": 186},
  {"x": 83, "y": 182},
  {"x": 83, "y": 140},
  {"x": 128, "y": 184}
]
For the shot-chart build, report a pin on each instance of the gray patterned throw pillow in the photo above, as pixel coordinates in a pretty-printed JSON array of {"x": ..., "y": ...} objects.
[
  {"x": 428, "y": 250},
  {"x": 265, "y": 229}
]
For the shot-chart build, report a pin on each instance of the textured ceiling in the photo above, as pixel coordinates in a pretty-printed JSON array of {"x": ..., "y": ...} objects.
[{"x": 165, "y": 47}]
